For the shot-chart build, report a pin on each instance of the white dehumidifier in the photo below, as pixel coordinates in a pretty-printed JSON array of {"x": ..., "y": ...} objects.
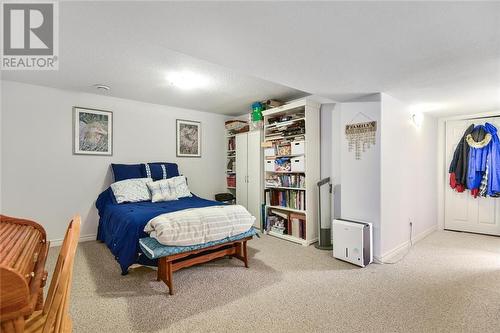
[{"x": 352, "y": 242}]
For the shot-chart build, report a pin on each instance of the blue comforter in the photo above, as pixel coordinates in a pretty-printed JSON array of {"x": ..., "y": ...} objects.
[{"x": 121, "y": 225}]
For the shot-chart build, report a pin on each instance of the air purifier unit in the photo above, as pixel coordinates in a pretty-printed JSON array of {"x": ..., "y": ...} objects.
[{"x": 352, "y": 242}]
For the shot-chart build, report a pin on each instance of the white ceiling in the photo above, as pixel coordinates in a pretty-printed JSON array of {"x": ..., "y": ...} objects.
[{"x": 442, "y": 57}]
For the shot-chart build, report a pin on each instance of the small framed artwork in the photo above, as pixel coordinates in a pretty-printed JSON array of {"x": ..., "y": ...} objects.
[
  {"x": 92, "y": 131},
  {"x": 188, "y": 138}
]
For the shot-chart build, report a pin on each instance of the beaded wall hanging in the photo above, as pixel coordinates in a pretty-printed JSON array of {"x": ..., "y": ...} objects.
[{"x": 360, "y": 137}]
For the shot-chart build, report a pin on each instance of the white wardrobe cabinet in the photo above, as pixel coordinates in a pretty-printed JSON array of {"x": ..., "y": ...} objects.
[{"x": 249, "y": 173}]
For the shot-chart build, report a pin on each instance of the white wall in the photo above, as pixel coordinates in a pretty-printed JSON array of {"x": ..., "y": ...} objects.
[
  {"x": 408, "y": 175},
  {"x": 360, "y": 179},
  {"x": 395, "y": 181},
  {"x": 44, "y": 181}
]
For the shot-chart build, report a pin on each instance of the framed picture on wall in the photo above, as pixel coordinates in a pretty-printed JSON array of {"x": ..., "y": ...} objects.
[
  {"x": 92, "y": 131},
  {"x": 188, "y": 138}
]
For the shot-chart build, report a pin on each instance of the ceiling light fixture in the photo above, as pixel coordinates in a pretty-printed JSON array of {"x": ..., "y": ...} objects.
[
  {"x": 101, "y": 87},
  {"x": 187, "y": 80},
  {"x": 427, "y": 107}
]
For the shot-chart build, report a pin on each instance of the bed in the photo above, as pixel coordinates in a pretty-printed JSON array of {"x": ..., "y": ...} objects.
[{"x": 122, "y": 225}]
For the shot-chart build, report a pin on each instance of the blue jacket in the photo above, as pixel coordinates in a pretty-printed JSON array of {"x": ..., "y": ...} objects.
[
  {"x": 493, "y": 160},
  {"x": 477, "y": 163}
]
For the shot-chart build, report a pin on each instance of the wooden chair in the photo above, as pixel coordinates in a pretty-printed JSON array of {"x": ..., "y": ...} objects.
[{"x": 55, "y": 314}]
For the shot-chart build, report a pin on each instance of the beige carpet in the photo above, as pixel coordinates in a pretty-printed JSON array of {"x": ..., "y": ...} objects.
[{"x": 450, "y": 282}]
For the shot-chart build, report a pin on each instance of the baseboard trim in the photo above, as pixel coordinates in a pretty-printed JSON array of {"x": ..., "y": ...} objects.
[
  {"x": 404, "y": 246},
  {"x": 84, "y": 238}
]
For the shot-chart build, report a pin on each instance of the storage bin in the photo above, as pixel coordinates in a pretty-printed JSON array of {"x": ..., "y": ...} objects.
[
  {"x": 231, "y": 181},
  {"x": 270, "y": 165},
  {"x": 298, "y": 164},
  {"x": 298, "y": 147},
  {"x": 269, "y": 151}
]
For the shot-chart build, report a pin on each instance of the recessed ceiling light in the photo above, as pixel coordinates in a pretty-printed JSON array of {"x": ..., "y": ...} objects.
[
  {"x": 101, "y": 87},
  {"x": 187, "y": 80}
]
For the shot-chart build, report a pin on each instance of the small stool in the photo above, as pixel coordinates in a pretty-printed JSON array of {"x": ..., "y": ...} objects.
[{"x": 227, "y": 198}]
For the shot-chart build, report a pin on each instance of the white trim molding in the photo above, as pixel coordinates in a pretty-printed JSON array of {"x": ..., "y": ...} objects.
[
  {"x": 401, "y": 248},
  {"x": 84, "y": 238}
]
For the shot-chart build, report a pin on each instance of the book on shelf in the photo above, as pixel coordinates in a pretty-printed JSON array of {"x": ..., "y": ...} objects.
[
  {"x": 287, "y": 129},
  {"x": 231, "y": 143},
  {"x": 282, "y": 119},
  {"x": 288, "y": 180},
  {"x": 277, "y": 136},
  {"x": 278, "y": 221},
  {"x": 298, "y": 225},
  {"x": 230, "y": 166},
  {"x": 285, "y": 223},
  {"x": 293, "y": 199}
]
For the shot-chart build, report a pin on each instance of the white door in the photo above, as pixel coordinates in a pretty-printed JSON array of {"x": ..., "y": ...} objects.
[
  {"x": 254, "y": 176},
  {"x": 462, "y": 211},
  {"x": 241, "y": 169}
]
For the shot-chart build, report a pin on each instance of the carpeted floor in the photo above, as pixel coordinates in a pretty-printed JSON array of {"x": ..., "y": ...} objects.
[{"x": 450, "y": 282}]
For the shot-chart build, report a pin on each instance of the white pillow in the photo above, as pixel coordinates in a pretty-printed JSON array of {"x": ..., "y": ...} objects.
[
  {"x": 162, "y": 190},
  {"x": 181, "y": 187},
  {"x": 131, "y": 190}
]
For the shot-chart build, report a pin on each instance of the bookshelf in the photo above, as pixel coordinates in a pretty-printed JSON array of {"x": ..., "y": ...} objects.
[
  {"x": 231, "y": 162},
  {"x": 291, "y": 170}
]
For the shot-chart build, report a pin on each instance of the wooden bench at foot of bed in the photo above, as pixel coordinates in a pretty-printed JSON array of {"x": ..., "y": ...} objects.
[{"x": 169, "y": 264}]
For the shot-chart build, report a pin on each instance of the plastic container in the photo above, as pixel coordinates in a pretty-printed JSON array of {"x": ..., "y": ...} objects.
[
  {"x": 298, "y": 147},
  {"x": 298, "y": 164},
  {"x": 270, "y": 165}
]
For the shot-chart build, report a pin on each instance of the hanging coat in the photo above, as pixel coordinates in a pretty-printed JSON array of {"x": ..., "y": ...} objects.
[
  {"x": 479, "y": 142},
  {"x": 493, "y": 162},
  {"x": 459, "y": 164}
]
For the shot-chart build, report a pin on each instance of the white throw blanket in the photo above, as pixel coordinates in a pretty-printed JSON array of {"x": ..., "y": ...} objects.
[{"x": 199, "y": 225}]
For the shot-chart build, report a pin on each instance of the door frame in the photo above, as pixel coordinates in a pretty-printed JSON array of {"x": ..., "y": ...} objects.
[{"x": 442, "y": 174}]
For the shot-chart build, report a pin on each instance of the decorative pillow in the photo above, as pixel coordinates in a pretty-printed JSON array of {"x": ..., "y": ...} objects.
[
  {"x": 162, "y": 190},
  {"x": 181, "y": 187},
  {"x": 160, "y": 170},
  {"x": 131, "y": 190},
  {"x": 127, "y": 171}
]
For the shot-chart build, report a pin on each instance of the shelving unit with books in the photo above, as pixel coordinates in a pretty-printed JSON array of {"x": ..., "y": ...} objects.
[
  {"x": 231, "y": 162},
  {"x": 291, "y": 170}
]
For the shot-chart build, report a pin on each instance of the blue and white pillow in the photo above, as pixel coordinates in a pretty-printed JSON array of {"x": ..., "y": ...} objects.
[
  {"x": 162, "y": 190},
  {"x": 160, "y": 170},
  {"x": 131, "y": 190},
  {"x": 181, "y": 187}
]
